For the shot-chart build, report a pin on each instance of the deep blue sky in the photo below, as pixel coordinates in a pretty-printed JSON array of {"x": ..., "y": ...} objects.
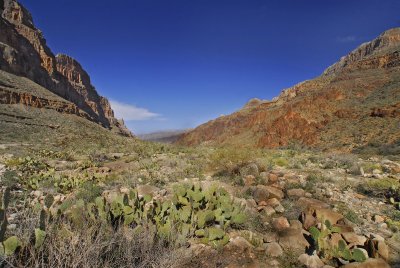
[{"x": 190, "y": 61}]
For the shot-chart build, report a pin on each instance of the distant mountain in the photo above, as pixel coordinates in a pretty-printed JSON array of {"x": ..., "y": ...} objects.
[
  {"x": 24, "y": 53},
  {"x": 354, "y": 102},
  {"x": 163, "y": 136}
]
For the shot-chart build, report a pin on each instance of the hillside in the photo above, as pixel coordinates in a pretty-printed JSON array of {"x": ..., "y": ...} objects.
[
  {"x": 24, "y": 53},
  {"x": 355, "y": 102},
  {"x": 163, "y": 136},
  {"x": 78, "y": 190}
]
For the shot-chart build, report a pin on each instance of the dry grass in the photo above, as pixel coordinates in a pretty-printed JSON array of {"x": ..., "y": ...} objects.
[{"x": 91, "y": 245}]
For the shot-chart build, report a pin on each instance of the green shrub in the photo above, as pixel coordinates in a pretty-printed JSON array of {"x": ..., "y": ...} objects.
[
  {"x": 369, "y": 167},
  {"x": 378, "y": 187},
  {"x": 88, "y": 191},
  {"x": 282, "y": 162}
]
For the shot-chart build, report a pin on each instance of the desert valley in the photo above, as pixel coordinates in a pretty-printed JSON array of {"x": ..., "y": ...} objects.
[{"x": 310, "y": 178}]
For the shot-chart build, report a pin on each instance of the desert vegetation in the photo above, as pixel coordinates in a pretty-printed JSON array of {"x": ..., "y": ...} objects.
[{"x": 162, "y": 205}]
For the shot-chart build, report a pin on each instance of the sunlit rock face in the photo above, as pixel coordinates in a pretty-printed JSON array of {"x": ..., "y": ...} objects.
[
  {"x": 23, "y": 52},
  {"x": 354, "y": 101}
]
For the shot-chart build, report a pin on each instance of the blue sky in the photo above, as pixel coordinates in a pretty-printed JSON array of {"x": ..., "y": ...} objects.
[{"x": 174, "y": 64}]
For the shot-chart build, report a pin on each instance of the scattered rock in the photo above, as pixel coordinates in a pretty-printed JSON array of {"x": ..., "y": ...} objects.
[
  {"x": 280, "y": 223},
  {"x": 354, "y": 239},
  {"x": 240, "y": 243},
  {"x": 264, "y": 177},
  {"x": 273, "y": 249},
  {"x": 268, "y": 211},
  {"x": 117, "y": 155},
  {"x": 292, "y": 239},
  {"x": 296, "y": 193},
  {"x": 274, "y": 192},
  {"x": 147, "y": 189},
  {"x": 328, "y": 214},
  {"x": 305, "y": 202},
  {"x": 296, "y": 224},
  {"x": 270, "y": 237},
  {"x": 382, "y": 225},
  {"x": 124, "y": 190},
  {"x": 376, "y": 171},
  {"x": 312, "y": 261},
  {"x": 308, "y": 220},
  {"x": 370, "y": 263},
  {"x": 273, "y": 202},
  {"x": 249, "y": 180},
  {"x": 308, "y": 195},
  {"x": 272, "y": 178},
  {"x": 250, "y": 169},
  {"x": 378, "y": 219},
  {"x": 260, "y": 194},
  {"x": 383, "y": 250},
  {"x": 279, "y": 209}
]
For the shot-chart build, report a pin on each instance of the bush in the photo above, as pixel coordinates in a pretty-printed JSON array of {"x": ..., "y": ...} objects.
[
  {"x": 89, "y": 191},
  {"x": 369, "y": 167},
  {"x": 378, "y": 187},
  {"x": 282, "y": 162}
]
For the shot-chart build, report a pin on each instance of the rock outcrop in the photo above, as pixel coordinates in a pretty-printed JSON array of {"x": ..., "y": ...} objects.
[
  {"x": 23, "y": 52},
  {"x": 354, "y": 102}
]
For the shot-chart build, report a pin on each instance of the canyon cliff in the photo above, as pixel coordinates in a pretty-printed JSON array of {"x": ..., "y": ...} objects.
[
  {"x": 354, "y": 102},
  {"x": 23, "y": 52}
]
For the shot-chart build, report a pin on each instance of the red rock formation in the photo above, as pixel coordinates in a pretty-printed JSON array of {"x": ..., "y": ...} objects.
[
  {"x": 390, "y": 111},
  {"x": 80, "y": 81},
  {"x": 23, "y": 52},
  {"x": 24, "y": 98},
  {"x": 20, "y": 17},
  {"x": 353, "y": 102}
]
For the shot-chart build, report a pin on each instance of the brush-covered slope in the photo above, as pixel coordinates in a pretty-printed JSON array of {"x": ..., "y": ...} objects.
[
  {"x": 354, "y": 102},
  {"x": 24, "y": 53},
  {"x": 36, "y": 118}
]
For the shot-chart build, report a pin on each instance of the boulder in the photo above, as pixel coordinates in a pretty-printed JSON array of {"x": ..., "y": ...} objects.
[
  {"x": 273, "y": 202},
  {"x": 295, "y": 224},
  {"x": 260, "y": 194},
  {"x": 383, "y": 250},
  {"x": 270, "y": 237},
  {"x": 147, "y": 190},
  {"x": 268, "y": 211},
  {"x": 264, "y": 177},
  {"x": 308, "y": 220},
  {"x": 297, "y": 193},
  {"x": 292, "y": 239},
  {"x": 312, "y": 261},
  {"x": 370, "y": 263},
  {"x": 280, "y": 223},
  {"x": 249, "y": 180},
  {"x": 305, "y": 202},
  {"x": 354, "y": 239},
  {"x": 328, "y": 214},
  {"x": 274, "y": 192},
  {"x": 378, "y": 219},
  {"x": 273, "y": 249},
  {"x": 377, "y": 249},
  {"x": 272, "y": 178},
  {"x": 250, "y": 169}
]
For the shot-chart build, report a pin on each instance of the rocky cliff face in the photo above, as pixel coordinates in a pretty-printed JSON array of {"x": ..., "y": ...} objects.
[
  {"x": 354, "y": 102},
  {"x": 23, "y": 52}
]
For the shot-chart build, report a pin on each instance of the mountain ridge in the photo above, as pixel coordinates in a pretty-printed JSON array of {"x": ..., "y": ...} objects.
[{"x": 345, "y": 95}]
